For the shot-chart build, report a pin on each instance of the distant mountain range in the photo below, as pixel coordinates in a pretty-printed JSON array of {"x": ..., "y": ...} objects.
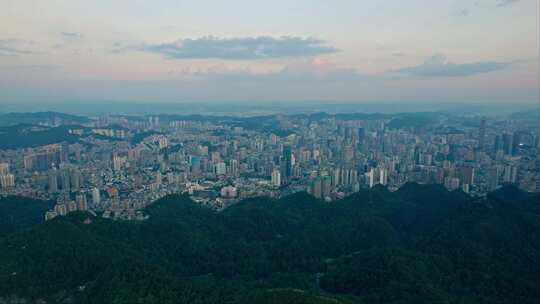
[
  {"x": 420, "y": 244},
  {"x": 10, "y": 119},
  {"x": 531, "y": 114},
  {"x": 29, "y": 136},
  {"x": 258, "y": 108},
  {"x": 16, "y": 132}
]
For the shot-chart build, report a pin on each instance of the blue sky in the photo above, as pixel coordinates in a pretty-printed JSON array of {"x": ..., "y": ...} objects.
[{"x": 185, "y": 51}]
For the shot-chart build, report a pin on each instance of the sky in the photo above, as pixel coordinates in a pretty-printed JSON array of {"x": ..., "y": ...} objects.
[{"x": 198, "y": 51}]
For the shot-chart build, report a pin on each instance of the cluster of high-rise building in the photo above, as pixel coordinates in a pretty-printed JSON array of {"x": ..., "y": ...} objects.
[
  {"x": 122, "y": 169},
  {"x": 65, "y": 205},
  {"x": 7, "y": 180}
]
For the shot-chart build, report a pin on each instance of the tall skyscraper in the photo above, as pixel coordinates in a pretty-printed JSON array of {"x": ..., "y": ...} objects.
[
  {"x": 4, "y": 168},
  {"x": 510, "y": 173},
  {"x": 517, "y": 137},
  {"x": 158, "y": 178},
  {"x": 81, "y": 202},
  {"x": 361, "y": 137},
  {"x": 370, "y": 176},
  {"x": 466, "y": 175},
  {"x": 234, "y": 167},
  {"x": 276, "y": 178},
  {"x": 336, "y": 177},
  {"x": 220, "y": 168},
  {"x": 53, "y": 182},
  {"x": 508, "y": 144},
  {"x": 118, "y": 162},
  {"x": 317, "y": 187},
  {"x": 348, "y": 154},
  {"x": 96, "y": 198},
  {"x": 482, "y": 133},
  {"x": 383, "y": 176},
  {"x": 498, "y": 145},
  {"x": 7, "y": 181},
  {"x": 286, "y": 163},
  {"x": 195, "y": 162},
  {"x": 44, "y": 158},
  {"x": 76, "y": 179},
  {"x": 326, "y": 186},
  {"x": 65, "y": 180},
  {"x": 493, "y": 178}
]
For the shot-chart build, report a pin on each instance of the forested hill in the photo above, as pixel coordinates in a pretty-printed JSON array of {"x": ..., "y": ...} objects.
[
  {"x": 40, "y": 118},
  {"x": 17, "y": 213},
  {"x": 421, "y": 244}
]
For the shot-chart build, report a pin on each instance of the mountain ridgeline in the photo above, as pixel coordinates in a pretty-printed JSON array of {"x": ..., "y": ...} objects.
[
  {"x": 420, "y": 244},
  {"x": 35, "y": 118}
]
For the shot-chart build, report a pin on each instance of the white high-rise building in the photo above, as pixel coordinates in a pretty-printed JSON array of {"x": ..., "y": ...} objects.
[
  {"x": 158, "y": 178},
  {"x": 336, "y": 178},
  {"x": 371, "y": 178},
  {"x": 221, "y": 168},
  {"x": 276, "y": 178},
  {"x": 118, "y": 163},
  {"x": 216, "y": 156},
  {"x": 81, "y": 202},
  {"x": 7, "y": 181},
  {"x": 96, "y": 198},
  {"x": 233, "y": 168},
  {"x": 383, "y": 177},
  {"x": 4, "y": 168}
]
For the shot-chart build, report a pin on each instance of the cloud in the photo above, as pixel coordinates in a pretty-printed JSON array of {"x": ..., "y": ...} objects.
[
  {"x": 239, "y": 48},
  {"x": 72, "y": 35},
  {"x": 438, "y": 66},
  {"x": 463, "y": 12},
  {"x": 11, "y": 47},
  {"x": 305, "y": 71},
  {"x": 319, "y": 69},
  {"x": 34, "y": 67},
  {"x": 506, "y": 2}
]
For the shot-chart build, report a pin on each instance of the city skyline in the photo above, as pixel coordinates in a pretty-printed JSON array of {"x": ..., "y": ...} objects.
[
  {"x": 220, "y": 160},
  {"x": 448, "y": 51}
]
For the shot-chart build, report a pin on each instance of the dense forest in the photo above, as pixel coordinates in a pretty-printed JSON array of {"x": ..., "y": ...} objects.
[
  {"x": 17, "y": 213},
  {"x": 420, "y": 244}
]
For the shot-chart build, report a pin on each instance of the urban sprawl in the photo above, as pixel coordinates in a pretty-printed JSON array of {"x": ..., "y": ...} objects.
[{"x": 119, "y": 165}]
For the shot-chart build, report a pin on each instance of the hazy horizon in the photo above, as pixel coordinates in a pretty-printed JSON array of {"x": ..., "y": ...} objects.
[{"x": 246, "y": 108}]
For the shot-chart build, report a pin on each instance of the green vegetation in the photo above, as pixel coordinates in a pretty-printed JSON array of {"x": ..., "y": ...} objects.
[
  {"x": 413, "y": 120},
  {"x": 27, "y": 136},
  {"x": 421, "y": 244},
  {"x": 18, "y": 213},
  {"x": 343, "y": 116},
  {"x": 139, "y": 137}
]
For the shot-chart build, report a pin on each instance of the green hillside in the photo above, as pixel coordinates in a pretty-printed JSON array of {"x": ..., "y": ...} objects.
[
  {"x": 41, "y": 117},
  {"x": 421, "y": 244},
  {"x": 17, "y": 213},
  {"x": 29, "y": 136}
]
